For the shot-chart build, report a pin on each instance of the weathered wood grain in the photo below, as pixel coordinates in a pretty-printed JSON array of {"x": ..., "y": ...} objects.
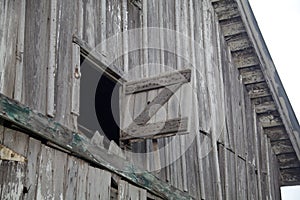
[
  {"x": 67, "y": 21},
  {"x": 41, "y": 126},
  {"x": 96, "y": 179},
  {"x": 31, "y": 181},
  {"x": 127, "y": 191},
  {"x": 289, "y": 176},
  {"x": 156, "y": 130},
  {"x": 59, "y": 171},
  {"x": 157, "y": 82},
  {"x": 82, "y": 184},
  {"x": 8, "y": 45},
  {"x": 51, "y": 67},
  {"x": 12, "y": 179},
  {"x": 70, "y": 177},
  {"x": 232, "y": 27},
  {"x": 20, "y": 53},
  {"x": 45, "y": 174},
  {"x": 152, "y": 107}
]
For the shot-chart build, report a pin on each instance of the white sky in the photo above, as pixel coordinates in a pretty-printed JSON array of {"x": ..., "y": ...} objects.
[{"x": 279, "y": 22}]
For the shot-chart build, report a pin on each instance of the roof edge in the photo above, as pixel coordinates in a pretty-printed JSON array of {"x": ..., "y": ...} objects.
[{"x": 271, "y": 75}]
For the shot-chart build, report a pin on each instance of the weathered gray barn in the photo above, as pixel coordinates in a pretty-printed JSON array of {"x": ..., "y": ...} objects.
[{"x": 197, "y": 100}]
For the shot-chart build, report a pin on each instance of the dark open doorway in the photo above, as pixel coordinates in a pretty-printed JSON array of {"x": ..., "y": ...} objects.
[{"x": 99, "y": 102}]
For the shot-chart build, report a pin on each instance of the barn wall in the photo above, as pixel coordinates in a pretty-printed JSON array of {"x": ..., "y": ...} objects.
[
  {"x": 50, "y": 173},
  {"x": 229, "y": 157}
]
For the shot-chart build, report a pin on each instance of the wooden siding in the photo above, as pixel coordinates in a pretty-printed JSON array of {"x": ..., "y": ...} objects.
[{"x": 230, "y": 156}]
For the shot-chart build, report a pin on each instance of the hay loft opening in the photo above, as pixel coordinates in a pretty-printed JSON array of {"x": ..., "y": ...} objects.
[{"x": 99, "y": 101}]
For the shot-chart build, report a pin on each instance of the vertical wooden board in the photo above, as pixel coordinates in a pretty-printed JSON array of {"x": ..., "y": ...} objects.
[
  {"x": 136, "y": 72},
  {"x": 235, "y": 106},
  {"x": 122, "y": 190},
  {"x": 34, "y": 148},
  {"x": 45, "y": 174},
  {"x": 202, "y": 107},
  {"x": 263, "y": 153},
  {"x": 205, "y": 161},
  {"x": 169, "y": 24},
  {"x": 276, "y": 176},
  {"x": 8, "y": 42},
  {"x": 67, "y": 27},
  {"x": 227, "y": 67},
  {"x": 71, "y": 178},
  {"x": 175, "y": 101},
  {"x": 269, "y": 167},
  {"x": 186, "y": 91},
  {"x": 101, "y": 9},
  {"x": 36, "y": 51},
  {"x": 81, "y": 191},
  {"x": 136, "y": 193},
  {"x": 192, "y": 170},
  {"x": 76, "y": 74},
  {"x": 223, "y": 168},
  {"x": 213, "y": 80},
  {"x": 134, "y": 41},
  {"x": 1, "y": 131},
  {"x": 125, "y": 35},
  {"x": 16, "y": 141},
  {"x": 11, "y": 179},
  {"x": 170, "y": 64},
  {"x": 241, "y": 148},
  {"x": 257, "y": 136},
  {"x": 242, "y": 179},
  {"x": 89, "y": 22},
  {"x": 51, "y": 67},
  {"x": 250, "y": 130},
  {"x": 220, "y": 45},
  {"x": 59, "y": 171},
  {"x": 231, "y": 172},
  {"x": 156, "y": 67},
  {"x": 244, "y": 120},
  {"x": 99, "y": 182},
  {"x": 113, "y": 14},
  {"x": 20, "y": 53},
  {"x": 252, "y": 182},
  {"x": 127, "y": 191}
]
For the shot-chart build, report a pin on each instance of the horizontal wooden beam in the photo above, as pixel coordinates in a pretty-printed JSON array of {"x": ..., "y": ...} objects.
[
  {"x": 265, "y": 107},
  {"x": 44, "y": 127},
  {"x": 157, "y": 82},
  {"x": 226, "y": 10},
  {"x": 251, "y": 77},
  {"x": 288, "y": 160},
  {"x": 258, "y": 90},
  {"x": 232, "y": 27},
  {"x": 245, "y": 58},
  {"x": 271, "y": 119},
  {"x": 282, "y": 147},
  {"x": 290, "y": 176},
  {"x": 156, "y": 130},
  {"x": 238, "y": 42},
  {"x": 276, "y": 133}
]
